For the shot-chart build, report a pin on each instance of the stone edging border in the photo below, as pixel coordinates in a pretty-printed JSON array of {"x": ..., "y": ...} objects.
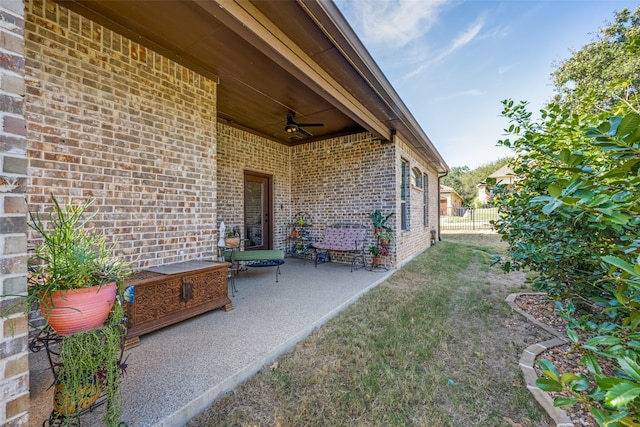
[{"x": 528, "y": 358}]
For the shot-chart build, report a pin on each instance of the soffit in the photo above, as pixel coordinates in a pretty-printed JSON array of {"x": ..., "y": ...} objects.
[
  {"x": 255, "y": 91},
  {"x": 269, "y": 57}
]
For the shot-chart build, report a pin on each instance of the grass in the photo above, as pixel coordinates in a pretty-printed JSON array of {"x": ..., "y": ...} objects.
[{"x": 435, "y": 345}]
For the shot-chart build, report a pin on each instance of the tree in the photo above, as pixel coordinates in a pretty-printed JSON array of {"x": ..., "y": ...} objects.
[
  {"x": 563, "y": 247},
  {"x": 464, "y": 180},
  {"x": 605, "y": 73},
  {"x": 455, "y": 177}
]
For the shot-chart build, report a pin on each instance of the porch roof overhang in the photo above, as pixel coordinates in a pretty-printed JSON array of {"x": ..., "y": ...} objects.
[{"x": 270, "y": 57}]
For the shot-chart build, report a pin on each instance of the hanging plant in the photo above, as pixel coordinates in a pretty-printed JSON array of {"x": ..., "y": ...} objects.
[{"x": 89, "y": 364}]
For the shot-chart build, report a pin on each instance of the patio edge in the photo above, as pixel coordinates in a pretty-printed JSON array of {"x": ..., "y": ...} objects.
[{"x": 192, "y": 409}]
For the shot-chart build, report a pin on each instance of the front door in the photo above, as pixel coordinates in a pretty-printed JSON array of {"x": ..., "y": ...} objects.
[{"x": 257, "y": 211}]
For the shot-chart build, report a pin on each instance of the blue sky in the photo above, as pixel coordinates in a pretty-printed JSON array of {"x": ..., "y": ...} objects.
[{"x": 452, "y": 61}]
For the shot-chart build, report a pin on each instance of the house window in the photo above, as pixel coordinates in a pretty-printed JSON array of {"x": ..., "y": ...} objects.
[
  {"x": 405, "y": 192},
  {"x": 425, "y": 201},
  {"x": 416, "y": 178}
]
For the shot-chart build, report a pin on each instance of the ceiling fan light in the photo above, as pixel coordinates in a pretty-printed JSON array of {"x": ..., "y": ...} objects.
[{"x": 291, "y": 128}]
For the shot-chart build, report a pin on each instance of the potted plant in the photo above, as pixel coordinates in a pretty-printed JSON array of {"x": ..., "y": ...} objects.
[
  {"x": 385, "y": 237},
  {"x": 232, "y": 240},
  {"x": 88, "y": 367},
  {"x": 379, "y": 221},
  {"x": 375, "y": 253},
  {"x": 73, "y": 265},
  {"x": 75, "y": 277}
]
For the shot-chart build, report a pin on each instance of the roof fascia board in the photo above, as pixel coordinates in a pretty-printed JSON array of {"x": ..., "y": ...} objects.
[
  {"x": 246, "y": 21},
  {"x": 335, "y": 26}
]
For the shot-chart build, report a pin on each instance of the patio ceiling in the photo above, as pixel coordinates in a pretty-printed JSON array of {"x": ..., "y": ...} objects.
[{"x": 271, "y": 57}]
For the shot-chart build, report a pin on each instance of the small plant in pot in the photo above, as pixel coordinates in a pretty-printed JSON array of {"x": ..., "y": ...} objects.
[
  {"x": 232, "y": 240},
  {"x": 379, "y": 221},
  {"x": 375, "y": 252},
  {"x": 385, "y": 238},
  {"x": 72, "y": 263},
  {"x": 89, "y": 365}
]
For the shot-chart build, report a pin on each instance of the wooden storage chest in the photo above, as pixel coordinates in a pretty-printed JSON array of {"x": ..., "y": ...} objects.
[{"x": 171, "y": 293}]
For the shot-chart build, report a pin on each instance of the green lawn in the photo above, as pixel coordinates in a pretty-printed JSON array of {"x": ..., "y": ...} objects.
[{"x": 435, "y": 345}]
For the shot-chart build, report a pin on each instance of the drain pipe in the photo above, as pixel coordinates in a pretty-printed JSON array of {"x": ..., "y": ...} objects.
[{"x": 439, "y": 213}]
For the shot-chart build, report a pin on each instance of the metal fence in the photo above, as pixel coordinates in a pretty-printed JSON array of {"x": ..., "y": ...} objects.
[{"x": 466, "y": 218}]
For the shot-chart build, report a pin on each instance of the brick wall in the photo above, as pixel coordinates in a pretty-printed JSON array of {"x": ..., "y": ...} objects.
[
  {"x": 14, "y": 362},
  {"x": 342, "y": 180},
  {"x": 109, "y": 119},
  {"x": 339, "y": 180},
  {"x": 335, "y": 180},
  {"x": 345, "y": 179},
  {"x": 239, "y": 151},
  {"x": 418, "y": 237}
]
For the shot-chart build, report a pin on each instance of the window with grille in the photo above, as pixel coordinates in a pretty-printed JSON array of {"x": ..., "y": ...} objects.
[
  {"x": 405, "y": 193},
  {"x": 416, "y": 178},
  {"x": 425, "y": 200}
]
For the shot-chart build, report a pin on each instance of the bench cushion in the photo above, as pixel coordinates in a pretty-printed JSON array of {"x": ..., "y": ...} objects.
[
  {"x": 257, "y": 255},
  {"x": 342, "y": 239}
]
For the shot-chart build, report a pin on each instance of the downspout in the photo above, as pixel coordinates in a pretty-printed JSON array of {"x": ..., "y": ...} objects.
[{"x": 439, "y": 177}]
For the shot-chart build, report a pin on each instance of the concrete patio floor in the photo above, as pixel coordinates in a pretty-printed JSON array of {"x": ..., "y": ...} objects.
[{"x": 178, "y": 371}]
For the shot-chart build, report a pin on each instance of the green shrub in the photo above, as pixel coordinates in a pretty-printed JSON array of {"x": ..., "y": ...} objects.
[{"x": 574, "y": 219}]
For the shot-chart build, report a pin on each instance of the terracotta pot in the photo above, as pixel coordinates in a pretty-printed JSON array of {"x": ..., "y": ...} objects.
[
  {"x": 72, "y": 403},
  {"x": 232, "y": 242},
  {"x": 376, "y": 260},
  {"x": 384, "y": 242},
  {"x": 78, "y": 310}
]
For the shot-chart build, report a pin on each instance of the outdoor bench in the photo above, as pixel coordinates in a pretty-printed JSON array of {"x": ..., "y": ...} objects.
[
  {"x": 344, "y": 238},
  {"x": 256, "y": 258}
]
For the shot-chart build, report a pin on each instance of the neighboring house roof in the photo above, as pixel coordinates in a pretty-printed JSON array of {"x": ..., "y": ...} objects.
[
  {"x": 271, "y": 57},
  {"x": 446, "y": 189},
  {"x": 502, "y": 172},
  {"x": 503, "y": 175}
]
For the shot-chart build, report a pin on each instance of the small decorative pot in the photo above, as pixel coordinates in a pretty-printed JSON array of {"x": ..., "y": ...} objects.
[
  {"x": 72, "y": 402},
  {"x": 232, "y": 242}
]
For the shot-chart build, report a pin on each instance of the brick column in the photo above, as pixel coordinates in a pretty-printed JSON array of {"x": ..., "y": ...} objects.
[{"x": 14, "y": 360}]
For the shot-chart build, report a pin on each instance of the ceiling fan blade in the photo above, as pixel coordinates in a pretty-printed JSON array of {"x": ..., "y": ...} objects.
[
  {"x": 304, "y": 131},
  {"x": 293, "y": 127}
]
